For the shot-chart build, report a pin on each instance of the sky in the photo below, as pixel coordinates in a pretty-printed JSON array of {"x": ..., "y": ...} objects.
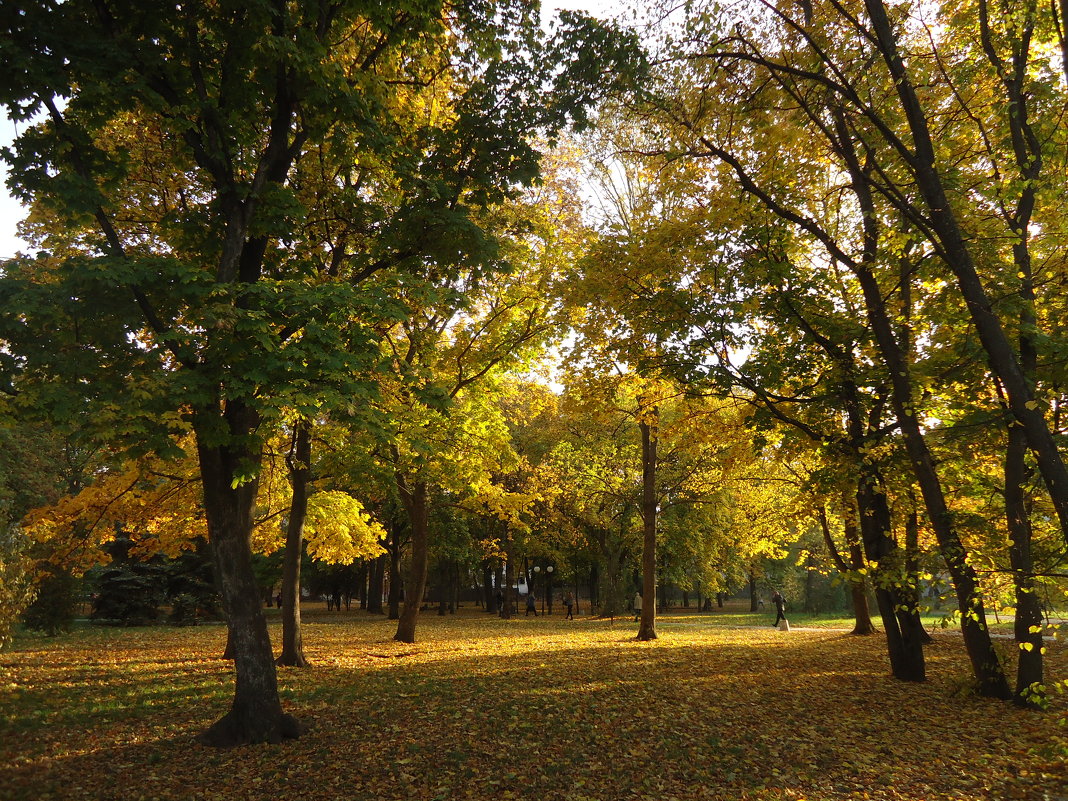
[{"x": 12, "y": 212}]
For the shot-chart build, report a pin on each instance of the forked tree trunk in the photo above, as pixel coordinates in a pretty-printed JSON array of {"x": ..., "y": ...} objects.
[
  {"x": 256, "y": 713},
  {"x": 415, "y": 503},
  {"x": 904, "y": 648},
  {"x": 858, "y": 590},
  {"x": 300, "y": 479},
  {"x": 647, "y": 626}
]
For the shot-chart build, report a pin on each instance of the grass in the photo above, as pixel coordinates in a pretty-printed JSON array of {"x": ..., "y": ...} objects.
[{"x": 721, "y": 706}]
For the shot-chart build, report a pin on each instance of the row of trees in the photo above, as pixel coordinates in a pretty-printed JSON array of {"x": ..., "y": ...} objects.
[
  {"x": 299, "y": 264},
  {"x": 888, "y": 293}
]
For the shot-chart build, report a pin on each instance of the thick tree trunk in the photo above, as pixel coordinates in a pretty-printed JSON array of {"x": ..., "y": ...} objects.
[
  {"x": 300, "y": 478},
  {"x": 415, "y": 502},
  {"x": 649, "y": 430},
  {"x": 256, "y": 713},
  {"x": 754, "y": 602},
  {"x": 904, "y": 649},
  {"x": 1028, "y": 624}
]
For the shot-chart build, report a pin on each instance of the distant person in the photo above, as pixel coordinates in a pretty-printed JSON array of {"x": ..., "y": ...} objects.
[
  {"x": 530, "y": 605},
  {"x": 499, "y": 598},
  {"x": 569, "y": 602},
  {"x": 279, "y": 599},
  {"x": 780, "y": 607},
  {"x": 637, "y": 606}
]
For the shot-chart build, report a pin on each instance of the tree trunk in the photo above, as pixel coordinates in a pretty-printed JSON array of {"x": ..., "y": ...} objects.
[
  {"x": 300, "y": 479},
  {"x": 903, "y": 648},
  {"x": 595, "y": 585},
  {"x": 395, "y": 580},
  {"x": 415, "y": 502},
  {"x": 506, "y": 590},
  {"x": 986, "y": 665},
  {"x": 443, "y": 588},
  {"x": 912, "y": 568},
  {"x": 754, "y": 604},
  {"x": 375, "y": 585},
  {"x": 810, "y": 582},
  {"x": 1028, "y": 624},
  {"x": 649, "y": 429},
  {"x": 862, "y": 625},
  {"x": 256, "y": 712},
  {"x": 488, "y": 592}
]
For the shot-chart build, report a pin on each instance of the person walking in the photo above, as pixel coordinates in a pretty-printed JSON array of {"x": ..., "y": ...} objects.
[
  {"x": 637, "y": 606},
  {"x": 569, "y": 602},
  {"x": 780, "y": 607},
  {"x": 530, "y": 605}
]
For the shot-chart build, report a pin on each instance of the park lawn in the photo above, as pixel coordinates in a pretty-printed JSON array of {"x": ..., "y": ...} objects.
[{"x": 533, "y": 708}]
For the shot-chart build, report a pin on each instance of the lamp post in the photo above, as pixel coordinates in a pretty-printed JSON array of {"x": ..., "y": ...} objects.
[
  {"x": 548, "y": 586},
  {"x": 537, "y": 572}
]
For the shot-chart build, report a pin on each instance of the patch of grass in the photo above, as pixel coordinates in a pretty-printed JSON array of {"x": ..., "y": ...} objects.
[{"x": 721, "y": 707}]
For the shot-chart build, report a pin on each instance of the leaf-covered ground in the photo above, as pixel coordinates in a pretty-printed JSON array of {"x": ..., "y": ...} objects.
[{"x": 535, "y": 708}]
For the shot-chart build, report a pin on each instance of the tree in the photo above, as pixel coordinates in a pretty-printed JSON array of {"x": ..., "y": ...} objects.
[{"x": 166, "y": 183}]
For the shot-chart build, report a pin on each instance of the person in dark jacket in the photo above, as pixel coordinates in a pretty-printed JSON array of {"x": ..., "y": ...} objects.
[{"x": 780, "y": 607}]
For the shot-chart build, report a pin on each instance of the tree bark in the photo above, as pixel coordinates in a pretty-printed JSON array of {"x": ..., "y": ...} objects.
[
  {"x": 1028, "y": 623},
  {"x": 375, "y": 585},
  {"x": 395, "y": 579},
  {"x": 649, "y": 430},
  {"x": 415, "y": 503},
  {"x": 300, "y": 478},
  {"x": 256, "y": 712},
  {"x": 851, "y": 570},
  {"x": 905, "y": 650},
  {"x": 488, "y": 593},
  {"x": 912, "y": 568}
]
